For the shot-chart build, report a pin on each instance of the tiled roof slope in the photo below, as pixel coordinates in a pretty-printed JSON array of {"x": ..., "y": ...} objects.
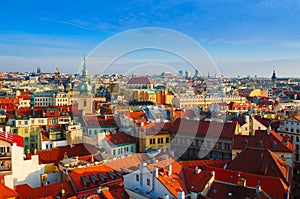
[
  {"x": 264, "y": 162},
  {"x": 267, "y": 138},
  {"x": 203, "y": 128}
]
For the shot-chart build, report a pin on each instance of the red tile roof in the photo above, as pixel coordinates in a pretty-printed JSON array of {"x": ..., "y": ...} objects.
[
  {"x": 264, "y": 121},
  {"x": 203, "y": 163},
  {"x": 225, "y": 190},
  {"x": 178, "y": 113},
  {"x": 6, "y": 192},
  {"x": 140, "y": 80},
  {"x": 99, "y": 121},
  {"x": 213, "y": 128},
  {"x": 271, "y": 141},
  {"x": 156, "y": 128},
  {"x": 11, "y": 138},
  {"x": 52, "y": 190},
  {"x": 119, "y": 138},
  {"x": 266, "y": 163},
  {"x": 274, "y": 187},
  {"x": 55, "y": 155},
  {"x": 115, "y": 185}
]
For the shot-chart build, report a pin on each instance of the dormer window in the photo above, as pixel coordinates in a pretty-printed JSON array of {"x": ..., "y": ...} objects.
[
  {"x": 259, "y": 143},
  {"x": 245, "y": 143}
]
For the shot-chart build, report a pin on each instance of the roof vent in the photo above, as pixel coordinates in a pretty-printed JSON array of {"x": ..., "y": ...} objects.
[{"x": 230, "y": 194}]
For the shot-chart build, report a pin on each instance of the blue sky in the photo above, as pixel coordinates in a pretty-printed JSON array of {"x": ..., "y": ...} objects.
[{"x": 242, "y": 37}]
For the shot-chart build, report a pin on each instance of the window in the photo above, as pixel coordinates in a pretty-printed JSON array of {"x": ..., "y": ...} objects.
[
  {"x": 114, "y": 152},
  {"x": 259, "y": 143},
  {"x": 148, "y": 181},
  {"x": 131, "y": 148},
  {"x": 137, "y": 177},
  {"x": 281, "y": 156},
  {"x": 84, "y": 103},
  {"x": 167, "y": 140},
  {"x": 152, "y": 141},
  {"x": 160, "y": 140},
  {"x": 245, "y": 143}
]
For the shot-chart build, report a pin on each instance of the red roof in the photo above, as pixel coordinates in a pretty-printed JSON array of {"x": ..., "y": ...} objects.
[
  {"x": 6, "y": 192},
  {"x": 264, "y": 163},
  {"x": 271, "y": 141},
  {"x": 55, "y": 155},
  {"x": 213, "y": 128},
  {"x": 99, "y": 121},
  {"x": 51, "y": 190},
  {"x": 11, "y": 138},
  {"x": 115, "y": 185},
  {"x": 156, "y": 128},
  {"x": 203, "y": 163},
  {"x": 274, "y": 187},
  {"x": 178, "y": 113},
  {"x": 140, "y": 80},
  {"x": 225, "y": 190},
  {"x": 119, "y": 138},
  {"x": 265, "y": 121}
]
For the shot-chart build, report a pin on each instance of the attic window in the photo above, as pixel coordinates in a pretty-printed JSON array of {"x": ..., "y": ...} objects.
[
  {"x": 259, "y": 143},
  {"x": 245, "y": 143},
  {"x": 274, "y": 145}
]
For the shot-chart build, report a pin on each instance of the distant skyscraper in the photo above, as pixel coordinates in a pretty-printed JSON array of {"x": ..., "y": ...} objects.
[
  {"x": 196, "y": 73},
  {"x": 180, "y": 73},
  {"x": 187, "y": 74}
]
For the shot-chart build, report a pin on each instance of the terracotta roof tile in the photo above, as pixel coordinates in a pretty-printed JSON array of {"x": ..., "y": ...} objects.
[
  {"x": 214, "y": 128},
  {"x": 119, "y": 138},
  {"x": 51, "y": 190},
  {"x": 266, "y": 163},
  {"x": 11, "y": 138},
  {"x": 273, "y": 186},
  {"x": 225, "y": 190},
  {"x": 55, "y": 155},
  {"x": 6, "y": 192},
  {"x": 270, "y": 140}
]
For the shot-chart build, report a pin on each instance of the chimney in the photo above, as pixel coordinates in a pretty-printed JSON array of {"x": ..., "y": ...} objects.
[
  {"x": 212, "y": 173},
  {"x": 169, "y": 167},
  {"x": 155, "y": 172},
  {"x": 258, "y": 189},
  {"x": 241, "y": 182},
  {"x": 197, "y": 170},
  {"x": 7, "y": 131},
  {"x": 62, "y": 190},
  {"x": 181, "y": 194},
  {"x": 166, "y": 196}
]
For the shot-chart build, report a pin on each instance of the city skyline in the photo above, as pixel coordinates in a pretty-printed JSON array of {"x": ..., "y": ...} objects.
[{"x": 252, "y": 38}]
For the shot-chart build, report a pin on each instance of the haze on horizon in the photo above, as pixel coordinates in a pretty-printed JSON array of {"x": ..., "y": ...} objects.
[{"x": 243, "y": 38}]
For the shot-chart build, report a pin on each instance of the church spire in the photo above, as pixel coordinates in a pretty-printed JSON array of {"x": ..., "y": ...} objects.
[
  {"x": 85, "y": 88},
  {"x": 84, "y": 70}
]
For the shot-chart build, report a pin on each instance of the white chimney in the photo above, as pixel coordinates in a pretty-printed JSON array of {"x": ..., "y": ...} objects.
[
  {"x": 7, "y": 131},
  {"x": 197, "y": 170},
  {"x": 169, "y": 167},
  {"x": 212, "y": 173},
  {"x": 181, "y": 194},
  {"x": 155, "y": 172},
  {"x": 166, "y": 196}
]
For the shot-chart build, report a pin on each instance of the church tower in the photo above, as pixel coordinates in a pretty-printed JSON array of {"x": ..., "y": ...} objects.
[
  {"x": 274, "y": 78},
  {"x": 85, "y": 98}
]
